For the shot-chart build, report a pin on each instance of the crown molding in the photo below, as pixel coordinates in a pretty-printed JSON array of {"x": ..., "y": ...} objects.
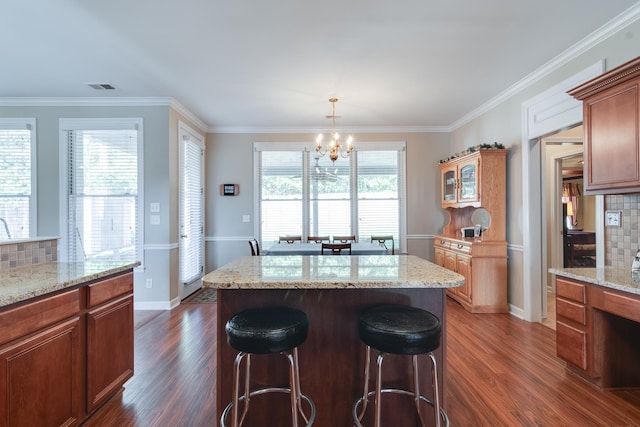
[
  {"x": 621, "y": 21},
  {"x": 103, "y": 102},
  {"x": 314, "y": 129}
]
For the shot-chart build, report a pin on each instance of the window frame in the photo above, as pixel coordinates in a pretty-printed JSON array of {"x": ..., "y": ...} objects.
[
  {"x": 28, "y": 123},
  {"x": 67, "y": 124},
  {"x": 304, "y": 147}
]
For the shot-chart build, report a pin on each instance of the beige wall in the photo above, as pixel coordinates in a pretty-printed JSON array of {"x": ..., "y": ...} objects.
[
  {"x": 503, "y": 123},
  {"x": 229, "y": 159}
]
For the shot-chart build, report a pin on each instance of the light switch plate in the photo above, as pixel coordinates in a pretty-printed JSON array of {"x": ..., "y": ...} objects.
[
  {"x": 155, "y": 219},
  {"x": 246, "y": 218},
  {"x": 613, "y": 218},
  {"x": 154, "y": 207}
]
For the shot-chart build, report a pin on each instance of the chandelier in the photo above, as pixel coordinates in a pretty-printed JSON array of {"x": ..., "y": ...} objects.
[{"x": 334, "y": 148}]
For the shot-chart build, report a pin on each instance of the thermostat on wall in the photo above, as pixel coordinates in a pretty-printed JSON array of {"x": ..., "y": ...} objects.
[
  {"x": 613, "y": 218},
  {"x": 229, "y": 189}
]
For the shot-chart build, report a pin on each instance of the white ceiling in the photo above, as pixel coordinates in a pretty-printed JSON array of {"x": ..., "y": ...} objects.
[{"x": 253, "y": 65}]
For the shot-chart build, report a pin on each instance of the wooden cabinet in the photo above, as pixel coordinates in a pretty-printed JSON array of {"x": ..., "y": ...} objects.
[
  {"x": 471, "y": 184},
  {"x": 41, "y": 366},
  {"x": 63, "y": 355},
  {"x": 597, "y": 331},
  {"x": 109, "y": 338},
  {"x": 484, "y": 267},
  {"x": 611, "y": 115},
  {"x": 572, "y": 334}
]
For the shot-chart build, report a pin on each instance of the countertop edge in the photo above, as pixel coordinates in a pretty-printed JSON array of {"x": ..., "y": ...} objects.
[
  {"x": 606, "y": 277},
  {"x": 21, "y": 284}
]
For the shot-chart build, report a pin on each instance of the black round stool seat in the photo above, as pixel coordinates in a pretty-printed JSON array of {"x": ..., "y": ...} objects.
[
  {"x": 400, "y": 329},
  {"x": 267, "y": 330}
]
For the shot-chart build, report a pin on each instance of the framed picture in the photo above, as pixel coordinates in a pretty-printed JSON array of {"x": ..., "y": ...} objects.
[{"x": 229, "y": 189}]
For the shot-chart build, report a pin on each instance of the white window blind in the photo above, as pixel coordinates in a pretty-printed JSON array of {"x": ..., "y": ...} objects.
[
  {"x": 301, "y": 193},
  {"x": 103, "y": 195},
  {"x": 281, "y": 198},
  {"x": 17, "y": 167},
  {"x": 191, "y": 212},
  {"x": 380, "y": 194}
]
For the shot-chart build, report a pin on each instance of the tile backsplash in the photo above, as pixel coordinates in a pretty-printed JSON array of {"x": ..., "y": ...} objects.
[
  {"x": 20, "y": 254},
  {"x": 622, "y": 243}
]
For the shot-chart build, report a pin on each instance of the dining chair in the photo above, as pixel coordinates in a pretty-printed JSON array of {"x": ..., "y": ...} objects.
[
  {"x": 336, "y": 248},
  {"x": 382, "y": 240},
  {"x": 318, "y": 239},
  {"x": 255, "y": 247},
  {"x": 344, "y": 239},
  {"x": 289, "y": 239}
]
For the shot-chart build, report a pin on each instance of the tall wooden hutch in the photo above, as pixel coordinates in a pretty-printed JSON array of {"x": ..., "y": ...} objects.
[{"x": 473, "y": 191}]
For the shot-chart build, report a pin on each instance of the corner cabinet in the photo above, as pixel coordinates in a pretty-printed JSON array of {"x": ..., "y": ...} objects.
[
  {"x": 474, "y": 186},
  {"x": 64, "y": 354},
  {"x": 611, "y": 115}
]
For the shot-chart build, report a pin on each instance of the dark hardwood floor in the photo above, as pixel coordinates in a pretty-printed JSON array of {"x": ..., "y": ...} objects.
[{"x": 502, "y": 371}]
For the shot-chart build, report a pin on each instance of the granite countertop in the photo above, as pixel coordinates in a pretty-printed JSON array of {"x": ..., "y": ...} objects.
[
  {"x": 331, "y": 272},
  {"x": 20, "y": 284},
  {"x": 609, "y": 277}
]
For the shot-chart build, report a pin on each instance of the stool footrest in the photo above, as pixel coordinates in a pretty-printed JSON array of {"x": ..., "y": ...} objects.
[
  {"x": 266, "y": 390},
  {"x": 443, "y": 415}
]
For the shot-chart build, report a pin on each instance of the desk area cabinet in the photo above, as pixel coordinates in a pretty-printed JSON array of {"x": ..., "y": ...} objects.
[{"x": 474, "y": 191}]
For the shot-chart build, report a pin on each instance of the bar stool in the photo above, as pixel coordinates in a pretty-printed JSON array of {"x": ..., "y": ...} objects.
[
  {"x": 403, "y": 330},
  {"x": 267, "y": 330}
]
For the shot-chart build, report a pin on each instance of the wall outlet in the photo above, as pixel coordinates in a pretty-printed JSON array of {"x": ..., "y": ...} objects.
[{"x": 149, "y": 283}]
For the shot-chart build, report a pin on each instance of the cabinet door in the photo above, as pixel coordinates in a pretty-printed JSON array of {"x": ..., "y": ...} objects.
[
  {"x": 468, "y": 191},
  {"x": 449, "y": 185},
  {"x": 463, "y": 267},
  {"x": 41, "y": 378},
  {"x": 439, "y": 252},
  {"x": 612, "y": 140},
  {"x": 109, "y": 349}
]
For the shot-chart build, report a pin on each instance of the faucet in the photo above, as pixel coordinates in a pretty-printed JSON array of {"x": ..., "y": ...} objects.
[{"x": 6, "y": 228}]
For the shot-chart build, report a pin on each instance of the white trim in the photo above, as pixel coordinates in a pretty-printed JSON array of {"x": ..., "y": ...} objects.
[
  {"x": 314, "y": 129},
  {"x": 533, "y": 219},
  {"x": 517, "y": 311},
  {"x": 515, "y": 248},
  {"x": 156, "y": 305},
  {"x": 245, "y": 238}
]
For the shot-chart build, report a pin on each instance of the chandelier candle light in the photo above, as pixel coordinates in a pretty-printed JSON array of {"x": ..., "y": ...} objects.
[{"x": 334, "y": 148}]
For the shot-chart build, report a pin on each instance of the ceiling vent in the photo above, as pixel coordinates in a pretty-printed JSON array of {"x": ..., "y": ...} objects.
[{"x": 101, "y": 86}]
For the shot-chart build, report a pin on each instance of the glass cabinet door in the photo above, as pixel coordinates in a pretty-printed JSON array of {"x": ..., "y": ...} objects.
[
  {"x": 449, "y": 185},
  {"x": 469, "y": 182}
]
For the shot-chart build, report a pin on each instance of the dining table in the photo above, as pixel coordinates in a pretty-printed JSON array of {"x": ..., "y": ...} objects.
[
  {"x": 331, "y": 290},
  {"x": 358, "y": 248}
]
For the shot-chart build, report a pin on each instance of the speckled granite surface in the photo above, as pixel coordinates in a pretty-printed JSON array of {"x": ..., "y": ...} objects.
[
  {"x": 331, "y": 272},
  {"x": 609, "y": 277},
  {"x": 19, "y": 284}
]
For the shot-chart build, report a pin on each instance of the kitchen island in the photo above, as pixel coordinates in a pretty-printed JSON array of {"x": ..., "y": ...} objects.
[
  {"x": 66, "y": 340},
  {"x": 331, "y": 290},
  {"x": 598, "y": 325}
]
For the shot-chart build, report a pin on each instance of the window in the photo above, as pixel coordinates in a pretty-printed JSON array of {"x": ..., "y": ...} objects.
[
  {"x": 103, "y": 190},
  {"x": 300, "y": 193},
  {"x": 17, "y": 178}
]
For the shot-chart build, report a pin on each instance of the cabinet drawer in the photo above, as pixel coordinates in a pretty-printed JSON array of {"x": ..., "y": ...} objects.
[
  {"x": 571, "y": 345},
  {"x": 571, "y": 290},
  {"x": 108, "y": 289},
  {"x": 33, "y": 316},
  {"x": 459, "y": 247},
  {"x": 571, "y": 310},
  {"x": 441, "y": 243},
  {"x": 623, "y": 306}
]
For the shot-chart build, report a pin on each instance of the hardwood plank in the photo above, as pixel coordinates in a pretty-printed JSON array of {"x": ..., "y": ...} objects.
[{"x": 501, "y": 371}]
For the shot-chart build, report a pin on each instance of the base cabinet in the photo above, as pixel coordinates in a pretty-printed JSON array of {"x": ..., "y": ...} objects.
[
  {"x": 64, "y": 355},
  {"x": 484, "y": 267}
]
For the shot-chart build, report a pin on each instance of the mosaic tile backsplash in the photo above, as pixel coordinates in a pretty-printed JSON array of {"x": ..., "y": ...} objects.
[
  {"x": 13, "y": 255},
  {"x": 622, "y": 243}
]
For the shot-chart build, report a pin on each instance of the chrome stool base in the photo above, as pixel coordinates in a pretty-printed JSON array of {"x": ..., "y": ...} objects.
[{"x": 312, "y": 406}]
